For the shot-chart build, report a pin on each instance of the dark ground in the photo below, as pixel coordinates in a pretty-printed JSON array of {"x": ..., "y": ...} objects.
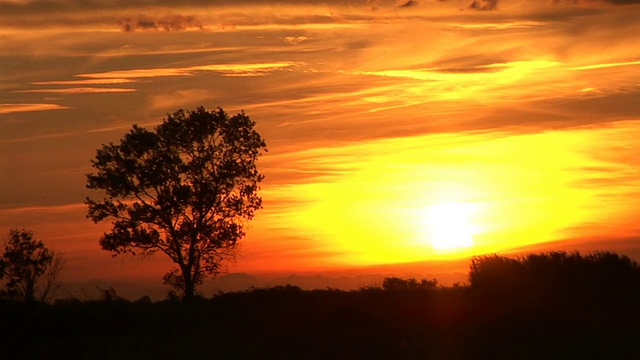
[
  {"x": 286, "y": 322},
  {"x": 503, "y": 315}
]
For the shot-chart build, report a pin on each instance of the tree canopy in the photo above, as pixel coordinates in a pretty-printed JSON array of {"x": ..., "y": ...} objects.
[
  {"x": 185, "y": 189},
  {"x": 31, "y": 270}
]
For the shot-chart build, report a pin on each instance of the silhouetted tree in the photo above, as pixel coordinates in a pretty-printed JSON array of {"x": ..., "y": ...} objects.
[
  {"x": 31, "y": 270},
  {"x": 184, "y": 189}
]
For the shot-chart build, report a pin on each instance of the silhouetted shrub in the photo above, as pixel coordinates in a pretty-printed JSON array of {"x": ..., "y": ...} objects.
[
  {"x": 398, "y": 284},
  {"x": 556, "y": 275},
  {"x": 496, "y": 275},
  {"x": 146, "y": 299}
]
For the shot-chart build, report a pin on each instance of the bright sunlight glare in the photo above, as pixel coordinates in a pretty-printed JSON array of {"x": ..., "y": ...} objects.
[{"x": 450, "y": 226}]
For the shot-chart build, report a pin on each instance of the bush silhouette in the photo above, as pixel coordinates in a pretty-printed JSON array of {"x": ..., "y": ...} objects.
[{"x": 558, "y": 274}]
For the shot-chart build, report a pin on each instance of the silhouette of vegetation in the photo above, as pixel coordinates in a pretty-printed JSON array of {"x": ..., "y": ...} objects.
[
  {"x": 557, "y": 317},
  {"x": 30, "y": 269},
  {"x": 398, "y": 284},
  {"x": 184, "y": 189},
  {"x": 550, "y": 276}
]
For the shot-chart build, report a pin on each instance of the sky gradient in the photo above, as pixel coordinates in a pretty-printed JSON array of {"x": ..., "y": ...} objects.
[{"x": 394, "y": 128}]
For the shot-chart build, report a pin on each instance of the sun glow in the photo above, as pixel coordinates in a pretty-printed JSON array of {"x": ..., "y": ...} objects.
[
  {"x": 448, "y": 196},
  {"x": 449, "y": 226}
]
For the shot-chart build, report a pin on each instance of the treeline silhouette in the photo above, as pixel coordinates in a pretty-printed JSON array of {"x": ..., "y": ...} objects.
[{"x": 554, "y": 305}]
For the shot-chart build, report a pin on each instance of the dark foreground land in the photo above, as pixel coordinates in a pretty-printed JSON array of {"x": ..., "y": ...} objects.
[{"x": 570, "y": 307}]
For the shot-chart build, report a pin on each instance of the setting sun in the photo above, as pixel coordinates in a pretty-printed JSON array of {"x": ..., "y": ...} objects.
[{"x": 449, "y": 226}]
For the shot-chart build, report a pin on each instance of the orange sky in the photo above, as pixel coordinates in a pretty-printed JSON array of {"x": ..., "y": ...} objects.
[{"x": 398, "y": 131}]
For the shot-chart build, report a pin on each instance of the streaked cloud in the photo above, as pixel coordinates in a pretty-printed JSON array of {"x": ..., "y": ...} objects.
[
  {"x": 16, "y": 108},
  {"x": 498, "y": 25},
  {"x": 603, "y": 66},
  {"x": 85, "y": 82},
  {"x": 41, "y": 208},
  {"x": 496, "y": 70},
  {"x": 249, "y": 69},
  {"x": 78, "y": 90},
  {"x": 454, "y": 84}
]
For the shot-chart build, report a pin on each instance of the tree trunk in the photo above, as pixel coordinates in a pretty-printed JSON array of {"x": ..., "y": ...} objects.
[
  {"x": 30, "y": 292},
  {"x": 189, "y": 285}
]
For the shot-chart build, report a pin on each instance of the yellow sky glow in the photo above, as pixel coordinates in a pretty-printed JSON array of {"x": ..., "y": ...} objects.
[{"x": 512, "y": 190}]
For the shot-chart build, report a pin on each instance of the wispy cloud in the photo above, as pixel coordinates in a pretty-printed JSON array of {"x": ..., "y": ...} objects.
[
  {"x": 484, "y": 5},
  {"x": 166, "y": 23},
  {"x": 249, "y": 69},
  {"x": 525, "y": 24},
  {"x": 42, "y": 208},
  {"x": 606, "y": 65},
  {"x": 295, "y": 40},
  {"x": 15, "y": 108},
  {"x": 454, "y": 84},
  {"x": 85, "y": 82},
  {"x": 79, "y": 90},
  {"x": 169, "y": 16},
  {"x": 408, "y": 3},
  {"x": 622, "y": 2},
  {"x": 181, "y": 98},
  {"x": 245, "y": 69},
  {"x": 162, "y": 15}
]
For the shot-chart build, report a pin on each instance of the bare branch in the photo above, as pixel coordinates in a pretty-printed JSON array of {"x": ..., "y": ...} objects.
[{"x": 50, "y": 283}]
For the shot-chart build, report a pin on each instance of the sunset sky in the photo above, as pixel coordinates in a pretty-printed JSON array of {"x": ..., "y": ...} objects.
[{"x": 398, "y": 131}]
